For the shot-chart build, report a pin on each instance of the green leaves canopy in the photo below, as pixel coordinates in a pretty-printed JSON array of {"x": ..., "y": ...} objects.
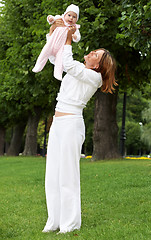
[
  {"x": 116, "y": 25},
  {"x": 135, "y": 30}
]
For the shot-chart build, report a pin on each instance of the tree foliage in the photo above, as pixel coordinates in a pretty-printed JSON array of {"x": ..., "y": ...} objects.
[
  {"x": 136, "y": 103},
  {"x": 135, "y": 29},
  {"x": 26, "y": 26},
  {"x": 146, "y": 128},
  {"x": 135, "y": 25},
  {"x": 133, "y": 138}
]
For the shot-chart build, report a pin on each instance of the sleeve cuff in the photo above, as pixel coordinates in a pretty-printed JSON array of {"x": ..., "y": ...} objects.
[{"x": 48, "y": 20}]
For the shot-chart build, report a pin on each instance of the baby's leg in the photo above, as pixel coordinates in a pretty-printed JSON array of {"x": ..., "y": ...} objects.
[
  {"x": 58, "y": 68},
  {"x": 43, "y": 57}
]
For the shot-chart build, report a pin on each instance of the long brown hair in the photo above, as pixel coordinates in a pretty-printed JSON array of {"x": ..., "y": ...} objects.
[{"x": 107, "y": 68}]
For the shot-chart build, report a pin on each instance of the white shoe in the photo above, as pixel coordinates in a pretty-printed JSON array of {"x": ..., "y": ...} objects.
[
  {"x": 46, "y": 230},
  {"x": 61, "y": 232},
  {"x": 66, "y": 231}
]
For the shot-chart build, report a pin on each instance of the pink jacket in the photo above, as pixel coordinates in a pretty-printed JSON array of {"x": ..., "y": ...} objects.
[{"x": 53, "y": 50}]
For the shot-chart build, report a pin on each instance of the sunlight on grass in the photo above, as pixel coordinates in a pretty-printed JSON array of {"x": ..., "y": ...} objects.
[{"x": 115, "y": 196}]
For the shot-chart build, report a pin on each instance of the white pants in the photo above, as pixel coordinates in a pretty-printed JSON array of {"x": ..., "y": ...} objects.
[{"x": 62, "y": 183}]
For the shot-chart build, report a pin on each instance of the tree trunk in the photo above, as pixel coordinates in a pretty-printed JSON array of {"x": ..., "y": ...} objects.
[
  {"x": 30, "y": 148},
  {"x": 15, "y": 145},
  {"x": 105, "y": 134},
  {"x": 2, "y": 140}
]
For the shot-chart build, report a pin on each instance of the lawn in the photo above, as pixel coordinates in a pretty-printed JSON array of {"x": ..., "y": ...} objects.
[{"x": 116, "y": 200}]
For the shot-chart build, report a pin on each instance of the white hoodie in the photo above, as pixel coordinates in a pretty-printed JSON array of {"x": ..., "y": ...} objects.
[{"x": 77, "y": 86}]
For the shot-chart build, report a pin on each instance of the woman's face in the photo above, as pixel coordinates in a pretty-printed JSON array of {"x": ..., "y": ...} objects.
[{"x": 92, "y": 60}]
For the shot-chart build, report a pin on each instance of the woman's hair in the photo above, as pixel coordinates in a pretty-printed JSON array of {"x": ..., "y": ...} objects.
[{"x": 107, "y": 68}]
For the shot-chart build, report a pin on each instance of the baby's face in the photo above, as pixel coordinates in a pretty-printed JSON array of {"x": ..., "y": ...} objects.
[{"x": 70, "y": 18}]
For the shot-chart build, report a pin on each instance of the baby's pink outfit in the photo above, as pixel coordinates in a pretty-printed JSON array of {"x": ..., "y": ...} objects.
[{"x": 53, "y": 50}]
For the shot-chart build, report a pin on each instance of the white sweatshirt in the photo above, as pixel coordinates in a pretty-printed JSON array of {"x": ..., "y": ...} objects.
[{"x": 77, "y": 86}]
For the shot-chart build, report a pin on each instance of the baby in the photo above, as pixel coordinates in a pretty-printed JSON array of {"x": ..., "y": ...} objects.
[{"x": 53, "y": 49}]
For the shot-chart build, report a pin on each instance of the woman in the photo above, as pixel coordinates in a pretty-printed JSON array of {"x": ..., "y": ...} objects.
[{"x": 67, "y": 133}]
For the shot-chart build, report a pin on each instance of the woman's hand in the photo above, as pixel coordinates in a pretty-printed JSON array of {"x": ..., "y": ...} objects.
[
  {"x": 58, "y": 23},
  {"x": 71, "y": 31}
]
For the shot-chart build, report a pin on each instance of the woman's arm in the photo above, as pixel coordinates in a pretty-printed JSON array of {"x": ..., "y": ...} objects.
[
  {"x": 71, "y": 31},
  {"x": 77, "y": 69},
  {"x": 78, "y": 36}
]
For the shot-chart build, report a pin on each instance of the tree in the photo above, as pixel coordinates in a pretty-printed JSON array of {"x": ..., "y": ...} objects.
[
  {"x": 31, "y": 135},
  {"x": 136, "y": 103},
  {"x": 135, "y": 29},
  {"x": 2, "y": 140},
  {"x": 16, "y": 141},
  {"x": 101, "y": 20},
  {"x": 105, "y": 128},
  {"x": 3, "y": 105},
  {"x": 133, "y": 138},
  {"x": 89, "y": 124}
]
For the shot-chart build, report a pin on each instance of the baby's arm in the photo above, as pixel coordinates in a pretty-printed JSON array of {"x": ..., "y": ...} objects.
[
  {"x": 76, "y": 36},
  {"x": 51, "y": 19}
]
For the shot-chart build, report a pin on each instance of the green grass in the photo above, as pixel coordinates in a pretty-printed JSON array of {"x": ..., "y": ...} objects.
[{"x": 116, "y": 200}]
